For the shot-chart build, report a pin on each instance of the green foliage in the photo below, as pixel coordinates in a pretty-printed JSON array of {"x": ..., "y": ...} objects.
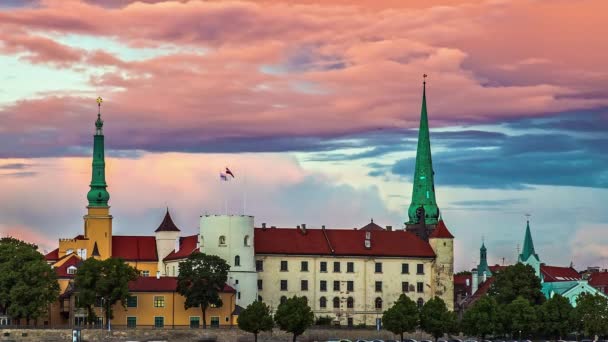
[
  {"x": 435, "y": 318},
  {"x": 324, "y": 320},
  {"x": 591, "y": 314},
  {"x": 106, "y": 281},
  {"x": 201, "y": 279},
  {"x": 27, "y": 283},
  {"x": 555, "y": 317},
  {"x": 294, "y": 316},
  {"x": 482, "y": 318},
  {"x": 519, "y": 316},
  {"x": 463, "y": 273},
  {"x": 401, "y": 317},
  {"x": 515, "y": 281},
  {"x": 255, "y": 318}
]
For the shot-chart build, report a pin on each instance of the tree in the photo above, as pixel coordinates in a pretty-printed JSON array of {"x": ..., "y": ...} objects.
[
  {"x": 201, "y": 279},
  {"x": 28, "y": 285},
  {"x": 401, "y": 317},
  {"x": 104, "y": 281},
  {"x": 294, "y": 316},
  {"x": 591, "y": 314},
  {"x": 482, "y": 318},
  {"x": 515, "y": 281},
  {"x": 435, "y": 318},
  {"x": 555, "y": 317},
  {"x": 519, "y": 317},
  {"x": 255, "y": 318}
]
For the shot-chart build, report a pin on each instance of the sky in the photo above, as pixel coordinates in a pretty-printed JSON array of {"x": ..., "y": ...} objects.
[{"x": 314, "y": 105}]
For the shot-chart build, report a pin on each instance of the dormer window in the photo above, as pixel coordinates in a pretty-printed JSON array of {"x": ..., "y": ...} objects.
[
  {"x": 222, "y": 240},
  {"x": 72, "y": 270}
]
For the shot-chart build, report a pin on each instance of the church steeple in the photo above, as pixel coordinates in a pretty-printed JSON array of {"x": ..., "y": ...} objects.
[
  {"x": 98, "y": 196},
  {"x": 528, "y": 249},
  {"x": 483, "y": 262},
  {"x": 423, "y": 193}
]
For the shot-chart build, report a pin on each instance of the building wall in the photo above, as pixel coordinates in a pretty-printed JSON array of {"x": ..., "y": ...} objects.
[
  {"x": 173, "y": 310},
  {"x": 165, "y": 244},
  {"x": 98, "y": 228},
  {"x": 443, "y": 270},
  {"x": 150, "y": 266},
  {"x": 364, "y": 278}
]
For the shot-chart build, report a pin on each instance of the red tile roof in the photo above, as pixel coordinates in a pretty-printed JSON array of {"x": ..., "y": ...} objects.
[
  {"x": 554, "y": 273},
  {"x": 481, "y": 291},
  {"x": 598, "y": 279},
  {"x": 496, "y": 268},
  {"x": 134, "y": 248},
  {"x": 53, "y": 255},
  {"x": 461, "y": 279},
  {"x": 441, "y": 232},
  {"x": 347, "y": 242},
  {"x": 187, "y": 245},
  {"x": 72, "y": 260},
  {"x": 162, "y": 284}
]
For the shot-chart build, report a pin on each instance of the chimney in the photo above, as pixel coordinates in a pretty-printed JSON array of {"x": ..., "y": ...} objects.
[
  {"x": 157, "y": 274},
  {"x": 263, "y": 225},
  {"x": 389, "y": 228},
  {"x": 302, "y": 229},
  {"x": 273, "y": 227},
  {"x": 323, "y": 227},
  {"x": 468, "y": 283}
]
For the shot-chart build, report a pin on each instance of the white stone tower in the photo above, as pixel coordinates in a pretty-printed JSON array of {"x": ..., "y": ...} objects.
[
  {"x": 231, "y": 238},
  {"x": 167, "y": 239},
  {"x": 442, "y": 242}
]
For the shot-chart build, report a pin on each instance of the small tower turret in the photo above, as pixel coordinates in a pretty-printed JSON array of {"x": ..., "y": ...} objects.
[{"x": 167, "y": 238}]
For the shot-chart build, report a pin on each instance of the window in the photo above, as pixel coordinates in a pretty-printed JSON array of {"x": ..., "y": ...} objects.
[
  {"x": 419, "y": 287},
  {"x": 236, "y": 281},
  {"x": 420, "y": 269},
  {"x": 283, "y": 285},
  {"x": 215, "y": 321},
  {"x": 173, "y": 270},
  {"x": 283, "y": 299},
  {"x": 378, "y": 286},
  {"x": 159, "y": 322},
  {"x": 350, "y": 322},
  {"x": 246, "y": 241},
  {"x": 305, "y": 299},
  {"x": 336, "y": 303},
  {"x": 159, "y": 301},
  {"x": 195, "y": 322},
  {"x": 132, "y": 301},
  {"x": 304, "y": 285},
  {"x": 405, "y": 268},
  {"x": 259, "y": 265},
  {"x": 323, "y": 266},
  {"x": 420, "y": 303},
  {"x": 323, "y": 285},
  {"x": 283, "y": 265},
  {"x": 378, "y": 303},
  {"x": 350, "y": 286},
  {"x": 222, "y": 240},
  {"x": 237, "y": 261},
  {"x": 350, "y": 267},
  {"x": 378, "y": 267},
  {"x": 405, "y": 286},
  {"x": 72, "y": 270},
  {"x": 350, "y": 303},
  {"x": 260, "y": 284},
  {"x": 131, "y": 322},
  {"x": 304, "y": 266},
  {"x": 336, "y": 267},
  {"x": 145, "y": 273},
  {"x": 336, "y": 285},
  {"x": 238, "y": 295},
  {"x": 260, "y": 299},
  {"x": 322, "y": 302}
]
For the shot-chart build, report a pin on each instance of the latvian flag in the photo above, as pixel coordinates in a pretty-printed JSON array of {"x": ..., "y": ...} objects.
[{"x": 228, "y": 172}]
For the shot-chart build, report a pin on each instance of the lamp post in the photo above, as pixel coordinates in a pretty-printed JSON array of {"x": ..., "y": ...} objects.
[{"x": 520, "y": 336}]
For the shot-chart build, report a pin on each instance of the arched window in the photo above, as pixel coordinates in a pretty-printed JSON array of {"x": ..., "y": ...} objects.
[
  {"x": 378, "y": 303},
  {"x": 202, "y": 242},
  {"x": 283, "y": 299},
  {"x": 420, "y": 303},
  {"x": 336, "y": 302},
  {"x": 323, "y": 302},
  {"x": 306, "y": 299},
  {"x": 350, "y": 303},
  {"x": 246, "y": 241},
  {"x": 259, "y": 298},
  {"x": 237, "y": 261},
  {"x": 222, "y": 241}
]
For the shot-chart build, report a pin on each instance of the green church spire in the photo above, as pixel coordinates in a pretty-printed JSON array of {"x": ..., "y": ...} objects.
[
  {"x": 98, "y": 196},
  {"x": 423, "y": 193},
  {"x": 483, "y": 262},
  {"x": 528, "y": 249}
]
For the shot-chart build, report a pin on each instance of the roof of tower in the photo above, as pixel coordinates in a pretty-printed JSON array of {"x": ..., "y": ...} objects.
[
  {"x": 371, "y": 226},
  {"x": 528, "y": 249},
  {"x": 441, "y": 231},
  {"x": 167, "y": 225}
]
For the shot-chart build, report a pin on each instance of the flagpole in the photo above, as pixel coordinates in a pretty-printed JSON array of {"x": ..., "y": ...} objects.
[{"x": 244, "y": 194}]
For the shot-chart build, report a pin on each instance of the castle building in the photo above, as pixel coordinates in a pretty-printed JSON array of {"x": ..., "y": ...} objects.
[{"x": 351, "y": 275}]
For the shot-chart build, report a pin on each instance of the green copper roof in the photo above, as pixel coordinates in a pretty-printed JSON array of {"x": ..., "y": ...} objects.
[
  {"x": 483, "y": 262},
  {"x": 528, "y": 249},
  {"x": 423, "y": 193},
  {"x": 98, "y": 196}
]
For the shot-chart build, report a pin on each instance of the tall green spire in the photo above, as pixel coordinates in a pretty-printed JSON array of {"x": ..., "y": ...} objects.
[
  {"x": 528, "y": 249},
  {"x": 483, "y": 262},
  {"x": 423, "y": 193},
  {"x": 98, "y": 196}
]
